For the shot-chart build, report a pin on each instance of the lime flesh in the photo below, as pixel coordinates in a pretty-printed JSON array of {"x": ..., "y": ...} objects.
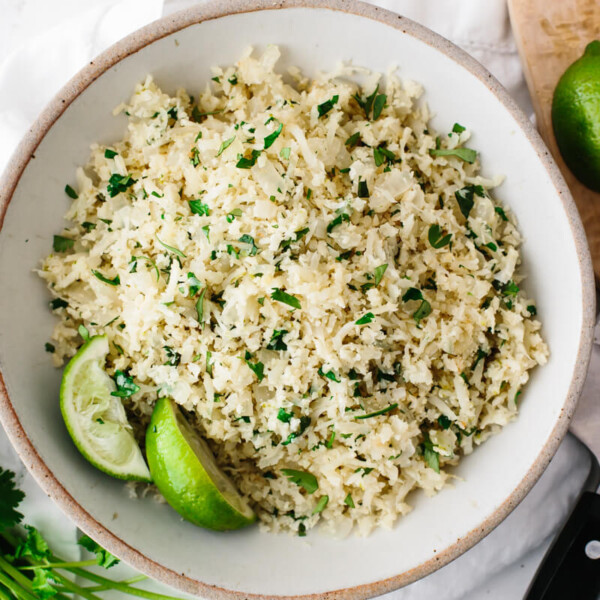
[
  {"x": 184, "y": 470},
  {"x": 96, "y": 420},
  {"x": 576, "y": 117}
]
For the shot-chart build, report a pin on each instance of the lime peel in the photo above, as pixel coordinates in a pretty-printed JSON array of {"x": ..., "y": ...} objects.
[{"x": 187, "y": 475}]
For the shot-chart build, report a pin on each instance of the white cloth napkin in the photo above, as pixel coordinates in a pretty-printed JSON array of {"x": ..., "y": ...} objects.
[{"x": 33, "y": 72}]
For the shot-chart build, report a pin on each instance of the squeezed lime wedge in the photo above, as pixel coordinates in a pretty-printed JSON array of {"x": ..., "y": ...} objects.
[{"x": 95, "y": 419}]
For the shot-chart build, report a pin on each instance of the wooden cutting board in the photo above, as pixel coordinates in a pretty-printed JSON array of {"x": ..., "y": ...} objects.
[{"x": 550, "y": 35}]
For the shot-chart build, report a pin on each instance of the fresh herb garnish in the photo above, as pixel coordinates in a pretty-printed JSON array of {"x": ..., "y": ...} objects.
[
  {"x": 200, "y": 307},
  {"x": 225, "y": 145},
  {"x": 119, "y": 183},
  {"x": 304, "y": 423},
  {"x": 195, "y": 156},
  {"x": 424, "y": 308},
  {"x": 466, "y": 154},
  {"x": 84, "y": 333},
  {"x": 302, "y": 479},
  {"x": 369, "y": 102},
  {"x": 378, "y": 273},
  {"x": 276, "y": 342},
  {"x": 444, "y": 422},
  {"x": 378, "y": 105},
  {"x": 48, "y": 347},
  {"x": 532, "y": 310},
  {"x": 431, "y": 456},
  {"x": 285, "y": 244},
  {"x": 236, "y": 212},
  {"x": 378, "y": 412},
  {"x": 353, "y": 141},
  {"x": 88, "y": 226},
  {"x": 125, "y": 385},
  {"x": 108, "y": 153},
  {"x": 199, "y": 208},
  {"x": 368, "y": 318},
  {"x": 194, "y": 284},
  {"x": 338, "y": 221},
  {"x": 173, "y": 357},
  {"x": 233, "y": 79},
  {"x": 114, "y": 281},
  {"x": 501, "y": 212},
  {"x": 456, "y": 128},
  {"x": 246, "y": 163},
  {"x": 171, "y": 248},
  {"x": 284, "y": 416},
  {"x": 382, "y": 154},
  {"x": 281, "y": 296},
  {"x": 62, "y": 244},
  {"x": 436, "y": 239},
  {"x": 326, "y": 106},
  {"x": 248, "y": 239},
  {"x": 268, "y": 141},
  {"x": 363, "y": 190},
  {"x": 321, "y": 504},
  {"x": 328, "y": 375},
  {"x": 257, "y": 367},
  {"x": 348, "y": 501},
  {"x": 466, "y": 198},
  {"x": 69, "y": 191}
]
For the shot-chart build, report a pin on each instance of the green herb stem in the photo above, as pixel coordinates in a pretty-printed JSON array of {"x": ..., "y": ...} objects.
[
  {"x": 19, "y": 592},
  {"x": 61, "y": 565}
]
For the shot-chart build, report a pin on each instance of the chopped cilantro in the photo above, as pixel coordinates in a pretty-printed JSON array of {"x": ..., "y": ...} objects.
[
  {"x": 171, "y": 248},
  {"x": 246, "y": 163},
  {"x": 125, "y": 385},
  {"x": 268, "y": 141},
  {"x": 466, "y": 198},
  {"x": 378, "y": 105},
  {"x": 225, "y": 145},
  {"x": 363, "y": 190},
  {"x": 257, "y": 368},
  {"x": 432, "y": 458},
  {"x": 532, "y": 310},
  {"x": 248, "y": 239},
  {"x": 114, "y": 281},
  {"x": 444, "y": 422},
  {"x": 304, "y": 423},
  {"x": 48, "y": 347},
  {"x": 302, "y": 479},
  {"x": 326, "y": 106},
  {"x": 69, "y": 191},
  {"x": 353, "y": 141},
  {"x": 88, "y": 226},
  {"x": 200, "y": 307},
  {"x": 119, "y": 183},
  {"x": 84, "y": 333},
  {"x": 348, "y": 501},
  {"x": 285, "y": 244},
  {"x": 424, "y": 308},
  {"x": 321, "y": 504},
  {"x": 466, "y": 154},
  {"x": 456, "y": 128},
  {"x": 436, "y": 239},
  {"x": 108, "y": 153},
  {"x": 284, "y": 416},
  {"x": 368, "y": 318},
  {"x": 276, "y": 342},
  {"x": 236, "y": 212},
  {"x": 378, "y": 412},
  {"x": 338, "y": 221},
  {"x": 62, "y": 244},
  {"x": 501, "y": 212},
  {"x": 379, "y": 272},
  {"x": 281, "y": 296},
  {"x": 328, "y": 375},
  {"x": 173, "y": 357}
]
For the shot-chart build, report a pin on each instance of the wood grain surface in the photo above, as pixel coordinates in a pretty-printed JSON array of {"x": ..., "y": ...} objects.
[{"x": 550, "y": 35}]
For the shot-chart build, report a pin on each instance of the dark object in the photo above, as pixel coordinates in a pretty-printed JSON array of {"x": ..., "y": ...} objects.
[{"x": 567, "y": 570}]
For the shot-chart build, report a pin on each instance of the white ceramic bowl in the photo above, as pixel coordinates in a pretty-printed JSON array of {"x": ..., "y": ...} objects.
[{"x": 178, "y": 51}]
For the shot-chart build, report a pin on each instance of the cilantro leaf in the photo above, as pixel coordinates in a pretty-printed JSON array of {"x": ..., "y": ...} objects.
[
  {"x": 302, "y": 479},
  {"x": 436, "y": 239},
  {"x": 115, "y": 281},
  {"x": 321, "y": 504},
  {"x": 10, "y": 498},
  {"x": 119, "y": 183},
  {"x": 104, "y": 557},
  {"x": 284, "y": 416},
  {"x": 466, "y": 154},
  {"x": 246, "y": 163},
  {"x": 62, "y": 244},
  {"x": 444, "y": 422},
  {"x": 378, "y": 412},
  {"x": 225, "y": 145},
  {"x": 353, "y": 141},
  {"x": 33, "y": 546},
  {"x": 125, "y": 385},
  {"x": 257, "y": 368},
  {"x": 173, "y": 357},
  {"x": 304, "y": 423},
  {"x": 276, "y": 342},
  {"x": 268, "y": 142},
  {"x": 363, "y": 190},
  {"x": 199, "y": 208},
  {"x": 379, "y": 272},
  {"x": 378, "y": 105},
  {"x": 501, "y": 212},
  {"x": 368, "y": 318},
  {"x": 328, "y": 375},
  {"x": 171, "y": 248},
  {"x": 466, "y": 198},
  {"x": 326, "y": 106},
  {"x": 200, "y": 307},
  {"x": 281, "y": 296},
  {"x": 69, "y": 191},
  {"x": 108, "y": 153},
  {"x": 456, "y": 128},
  {"x": 348, "y": 501},
  {"x": 424, "y": 308},
  {"x": 431, "y": 456},
  {"x": 41, "y": 584},
  {"x": 248, "y": 239},
  {"x": 337, "y": 221}
]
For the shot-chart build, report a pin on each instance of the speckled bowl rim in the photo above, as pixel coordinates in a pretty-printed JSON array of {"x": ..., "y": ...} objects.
[{"x": 213, "y": 10}]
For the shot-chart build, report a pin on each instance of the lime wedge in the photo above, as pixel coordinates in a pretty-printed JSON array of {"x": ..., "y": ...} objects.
[
  {"x": 184, "y": 470},
  {"x": 96, "y": 420}
]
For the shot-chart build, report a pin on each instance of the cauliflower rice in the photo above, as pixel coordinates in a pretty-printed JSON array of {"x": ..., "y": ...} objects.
[{"x": 302, "y": 271}]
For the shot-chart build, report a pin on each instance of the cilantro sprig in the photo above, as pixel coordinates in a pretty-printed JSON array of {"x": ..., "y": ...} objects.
[{"x": 29, "y": 570}]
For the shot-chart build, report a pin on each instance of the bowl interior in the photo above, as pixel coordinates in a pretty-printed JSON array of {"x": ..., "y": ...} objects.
[{"x": 251, "y": 561}]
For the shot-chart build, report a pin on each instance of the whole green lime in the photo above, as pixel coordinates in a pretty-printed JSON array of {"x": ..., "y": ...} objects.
[{"x": 576, "y": 116}]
